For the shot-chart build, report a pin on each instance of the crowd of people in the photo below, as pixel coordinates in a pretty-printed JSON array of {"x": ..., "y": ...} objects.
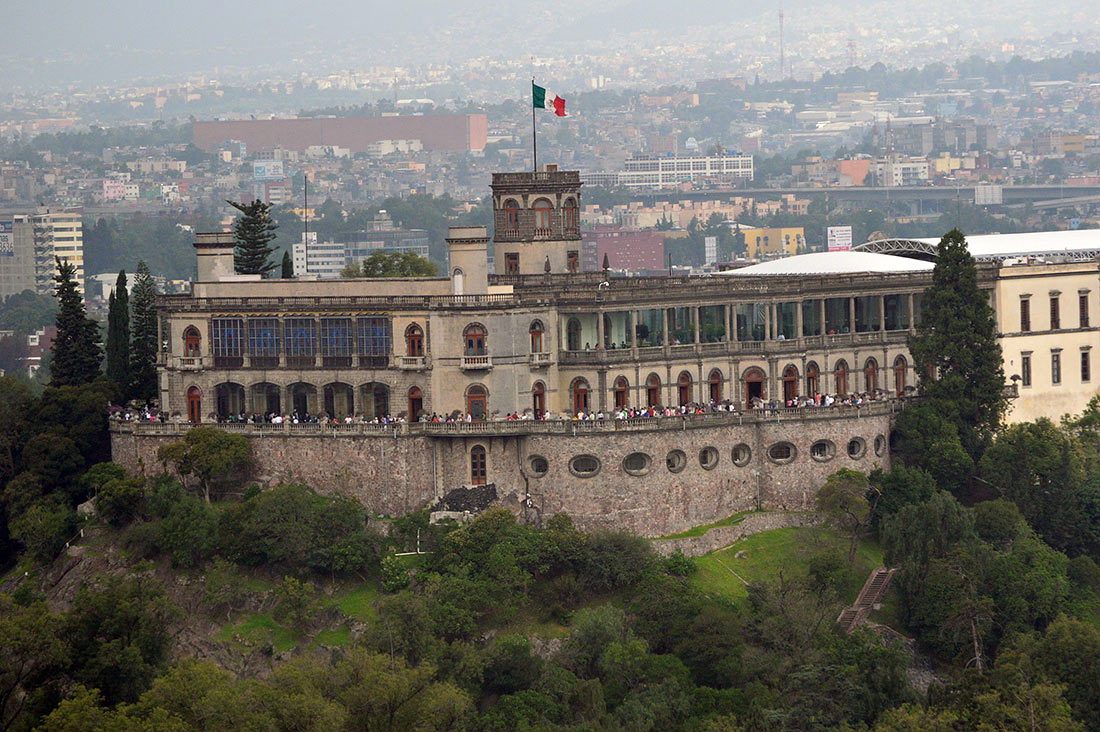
[{"x": 148, "y": 414}]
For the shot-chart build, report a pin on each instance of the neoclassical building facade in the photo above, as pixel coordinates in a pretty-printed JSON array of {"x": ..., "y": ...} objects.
[{"x": 536, "y": 336}]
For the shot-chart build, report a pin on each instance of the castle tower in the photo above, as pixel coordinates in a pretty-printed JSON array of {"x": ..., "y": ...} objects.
[{"x": 537, "y": 220}]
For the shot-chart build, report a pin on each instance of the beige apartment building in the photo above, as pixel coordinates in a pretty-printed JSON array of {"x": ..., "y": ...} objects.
[{"x": 30, "y": 242}]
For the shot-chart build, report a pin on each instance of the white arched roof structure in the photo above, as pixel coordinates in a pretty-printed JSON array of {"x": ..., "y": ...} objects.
[
  {"x": 1082, "y": 244},
  {"x": 819, "y": 263}
]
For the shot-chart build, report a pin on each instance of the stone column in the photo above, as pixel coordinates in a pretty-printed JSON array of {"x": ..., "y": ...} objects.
[
  {"x": 731, "y": 317},
  {"x": 698, "y": 324},
  {"x": 881, "y": 313},
  {"x": 666, "y": 340},
  {"x": 798, "y": 320},
  {"x": 768, "y": 321},
  {"x": 631, "y": 337},
  {"x": 851, "y": 315},
  {"x": 912, "y": 315},
  {"x": 821, "y": 310},
  {"x": 599, "y": 330}
]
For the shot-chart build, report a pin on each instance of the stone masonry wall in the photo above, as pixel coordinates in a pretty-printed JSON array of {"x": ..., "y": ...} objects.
[{"x": 395, "y": 475}]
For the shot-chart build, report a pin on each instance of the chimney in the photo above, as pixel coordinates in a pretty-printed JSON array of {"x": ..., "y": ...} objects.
[
  {"x": 214, "y": 252},
  {"x": 469, "y": 251}
]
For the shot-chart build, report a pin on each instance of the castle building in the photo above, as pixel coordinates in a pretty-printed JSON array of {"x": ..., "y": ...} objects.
[{"x": 540, "y": 337}]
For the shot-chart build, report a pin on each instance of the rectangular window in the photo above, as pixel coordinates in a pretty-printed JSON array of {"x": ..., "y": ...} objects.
[
  {"x": 1055, "y": 314},
  {"x": 1086, "y": 366},
  {"x": 263, "y": 342},
  {"x": 1083, "y": 308},
  {"x": 1025, "y": 369},
  {"x": 336, "y": 342},
  {"x": 375, "y": 341},
  {"x": 1025, "y": 315},
  {"x": 511, "y": 263},
  {"x": 1056, "y": 368},
  {"x": 226, "y": 342},
  {"x": 572, "y": 261},
  {"x": 301, "y": 342}
]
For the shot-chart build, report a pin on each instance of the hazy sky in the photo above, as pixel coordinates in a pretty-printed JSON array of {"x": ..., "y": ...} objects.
[{"x": 60, "y": 41}]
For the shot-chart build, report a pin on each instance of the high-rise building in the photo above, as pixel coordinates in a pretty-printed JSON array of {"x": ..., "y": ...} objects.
[{"x": 30, "y": 242}]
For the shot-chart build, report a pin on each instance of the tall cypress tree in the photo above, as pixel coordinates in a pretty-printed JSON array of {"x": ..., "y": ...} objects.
[
  {"x": 288, "y": 267},
  {"x": 118, "y": 335},
  {"x": 958, "y": 336},
  {"x": 143, "y": 350},
  {"x": 76, "y": 351},
  {"x": 254, "y": 231}
]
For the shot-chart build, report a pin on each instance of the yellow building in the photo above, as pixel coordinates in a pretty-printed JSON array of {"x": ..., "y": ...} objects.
[
  {"x": 944, "y": 164},
  {"x": 58, "y": 234},
  {"x": 1048, "y": 318},
  {"x": 766, "y": 242}
]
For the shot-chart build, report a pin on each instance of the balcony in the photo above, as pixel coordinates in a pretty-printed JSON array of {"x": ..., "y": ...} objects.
[
  {"x": 412, "y": 363},
  {"x": 476, "y": 363},
  {"x": 539, "y": 360},
  {"x": 189, "y": 363}
]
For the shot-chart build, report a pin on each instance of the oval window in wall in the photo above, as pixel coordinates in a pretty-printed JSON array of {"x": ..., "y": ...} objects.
[
  {"x": 781, "y": 452},
  {"x": 676, "y": 461},
  {"x": 584, "y": 466},
  {"x": 636, "y": 463}
]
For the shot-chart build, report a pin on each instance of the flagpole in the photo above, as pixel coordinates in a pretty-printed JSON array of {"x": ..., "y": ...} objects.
[{"x": 534, "y": 134}]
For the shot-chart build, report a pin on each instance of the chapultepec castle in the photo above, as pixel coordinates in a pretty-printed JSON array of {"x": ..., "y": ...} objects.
[{"x": 538, "y": 337}]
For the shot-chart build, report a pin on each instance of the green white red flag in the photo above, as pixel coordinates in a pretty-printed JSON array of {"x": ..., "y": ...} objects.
[{"x": 544, "y": 99}]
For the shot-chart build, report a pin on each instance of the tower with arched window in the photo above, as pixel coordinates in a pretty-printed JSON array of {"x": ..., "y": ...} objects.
[{"x": 537, "y": 221}]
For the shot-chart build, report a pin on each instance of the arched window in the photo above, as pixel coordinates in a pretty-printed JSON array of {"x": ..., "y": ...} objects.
[
  {"x": 538, "y": 398},
  {"x": 870, "y": 375},
  {"x": 416, "y": 403},
  {"x": 536, "y": 337},
  {"x": 477, "y": 402},
  {"x": 192, "y": 342},
  {"x": 653, "y": 390},
  {"x": 840, "y": 374},
  {"x": 790, "y": 383},
  {"x": 229, "y": 398},
  {"x": 683, "y": 388},
  {"x": 579, "y": 390},
  {"x": 265, "y": 399},
  {"x": 900, "y": 369},
  {"x": 813, "y": 379},
  {"x": 573, "y": 335},
  {"x": 754, "y": 387},
  {"x": 414, "y": 340},
  {"x": 622, "y": 392},
  {"x": 715, "y": 381},
  {"x": 511, "y": 216},
  {"x": 544, "y": 212},
  {"x": 303, "y": 398},
  {"x": 478, "y": 465},
  {"x": 458, "y": 279},
  {"x": 374, "y": 399},
  {"x": 194, "y": 405},
  {"x": 339, "y": 400},
  {"x": 474, "y": 339},
  {"x": 569, "y": 214}
]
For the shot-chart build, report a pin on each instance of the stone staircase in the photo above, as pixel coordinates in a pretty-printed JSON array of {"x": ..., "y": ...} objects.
[{"x": 874, "y": 589}]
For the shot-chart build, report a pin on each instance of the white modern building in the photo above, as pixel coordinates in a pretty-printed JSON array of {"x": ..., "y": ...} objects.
[{"x": 667, "y": 171}]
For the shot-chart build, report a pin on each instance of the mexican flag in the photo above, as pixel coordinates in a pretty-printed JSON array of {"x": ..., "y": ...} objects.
[{"x": 547, "y": 100}]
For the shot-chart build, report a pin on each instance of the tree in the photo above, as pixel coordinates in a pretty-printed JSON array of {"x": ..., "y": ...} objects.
[
  {"x": 843, "y": 501},
  {"x": 213, "y": 456},
  {"x": 118, "y": 334},
  {"x": 957, "y": 339},
  {"x": 254, "y": 231},
  {"x": 296, "y": 602},
  {"x": 1039, "y": 468},
  {"x": 143, "y": 350},
  {"x": 29, "y": 643},
  {"x": 288, "y": 267},
  {"x": 391, "y": 264},
  {"x": 76, "y": 351}
]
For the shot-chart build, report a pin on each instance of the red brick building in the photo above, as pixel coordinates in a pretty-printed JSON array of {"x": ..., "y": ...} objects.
[
  {"x": 630, "y": 250},
  {"x": 456, "y": 132}
]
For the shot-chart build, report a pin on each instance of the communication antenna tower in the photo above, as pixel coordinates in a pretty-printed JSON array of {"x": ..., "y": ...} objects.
[
  {"x": 782, "y": 67},
  {"x": 851, "y": 52}
]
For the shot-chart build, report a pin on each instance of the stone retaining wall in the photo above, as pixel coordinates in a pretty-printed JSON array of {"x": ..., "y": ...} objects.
[{"x": 723, "y": 536}]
